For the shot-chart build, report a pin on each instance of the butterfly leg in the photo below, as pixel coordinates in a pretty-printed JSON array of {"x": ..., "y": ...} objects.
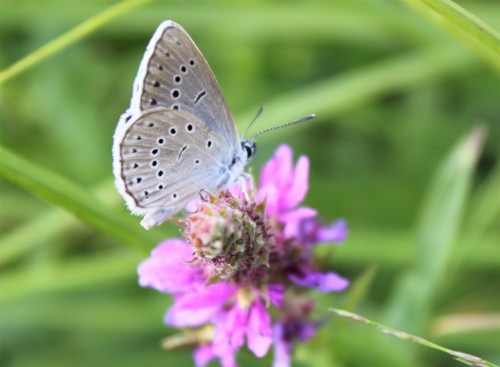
[{"x": 246, "y": 183}]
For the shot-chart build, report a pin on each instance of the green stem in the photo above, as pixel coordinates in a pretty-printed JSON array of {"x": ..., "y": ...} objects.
[
  {"x": 77, "y": 33},
  {"x": 465, "y": 358}
]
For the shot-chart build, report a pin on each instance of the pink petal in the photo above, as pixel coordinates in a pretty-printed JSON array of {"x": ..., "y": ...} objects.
[
  {"x": 174, "y": 250},
  {"x": 270, "y": 194},
  {"x": 299, "y": 183},
  {"x": 279, "y": 169},
  {"x": 230, "y": 331},
  {"x": 228, "y": 359},
  {"x": 322, "y": 282},
  {"x": 298, "y": 214},
  {"x": 284, "y": 161},
  {"x": 203, "y": 355},
  {"x": 168, "y": 268},
  {"x": 293, "y": 220},
  {"x": 276, "y": 293},
  {"x": 280, "y": 184},
  {"x": 235, "y": 326},
  {"x": 282, "y": 349},
  {"x": 196, "y": 308},
  {"x": 221, "y": 347},
  {"x": 306, "y": 331},
  {"x": 259, "y": 332},
  {"x": 336, "y": 232}
]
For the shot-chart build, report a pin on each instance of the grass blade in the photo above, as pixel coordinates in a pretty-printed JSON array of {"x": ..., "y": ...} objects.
[
  {"x": 437, "y": 228},
  {"x": 65, "y": 194},
  {"x": 463, "y": 25},
  {"x": 72, "y": 36},
  {"x": 464, "y": 358}
]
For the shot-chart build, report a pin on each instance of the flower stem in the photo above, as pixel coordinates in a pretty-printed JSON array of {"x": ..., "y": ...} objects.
[{"x": 465, "y": 358}]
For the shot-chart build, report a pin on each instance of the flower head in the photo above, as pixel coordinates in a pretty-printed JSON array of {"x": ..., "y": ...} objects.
[
  {"x": 228, "y": 234},
  {"x": 244, "y": 253}
]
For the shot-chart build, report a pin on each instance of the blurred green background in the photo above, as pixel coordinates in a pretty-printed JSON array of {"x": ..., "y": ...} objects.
[{"x": 397, "y": 98}]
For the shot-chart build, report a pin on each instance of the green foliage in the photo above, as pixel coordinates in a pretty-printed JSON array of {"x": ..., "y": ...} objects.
[{"x": 396, "y": 150}]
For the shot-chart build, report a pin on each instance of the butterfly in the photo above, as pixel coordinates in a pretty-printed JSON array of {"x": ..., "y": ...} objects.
[{"x": 178, "y": 137}]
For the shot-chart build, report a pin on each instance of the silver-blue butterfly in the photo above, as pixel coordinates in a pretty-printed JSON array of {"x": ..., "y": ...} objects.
[{"x": 178, "y": 136}]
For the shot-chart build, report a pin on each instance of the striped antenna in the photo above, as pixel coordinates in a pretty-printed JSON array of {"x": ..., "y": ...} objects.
[
  {"x": 305, "y": 118},
  {"x": 259, "y": 112}
]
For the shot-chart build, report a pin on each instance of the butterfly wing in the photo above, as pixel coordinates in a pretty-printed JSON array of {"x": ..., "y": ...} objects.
[
  {"x": 174, "y": 74},
  {"x": 164, "y": 158}
]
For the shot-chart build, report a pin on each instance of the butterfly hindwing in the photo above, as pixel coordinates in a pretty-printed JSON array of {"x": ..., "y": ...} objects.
[{"x": 166, "y": 157}]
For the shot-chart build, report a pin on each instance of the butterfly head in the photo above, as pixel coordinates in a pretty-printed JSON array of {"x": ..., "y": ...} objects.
[{"x": 248, "y": 147}]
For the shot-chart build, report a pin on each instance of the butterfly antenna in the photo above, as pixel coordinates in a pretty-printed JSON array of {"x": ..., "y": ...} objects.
[
  {"x": 305, "y": 118},
  {"x": 259, "y": 112}
]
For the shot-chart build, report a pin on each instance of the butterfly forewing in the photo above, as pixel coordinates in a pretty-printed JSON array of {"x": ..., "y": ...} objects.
[{"x": 174, "y": 74}]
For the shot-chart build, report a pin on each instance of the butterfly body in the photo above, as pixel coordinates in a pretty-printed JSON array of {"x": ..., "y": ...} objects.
[{"x": 178, "y": 136}]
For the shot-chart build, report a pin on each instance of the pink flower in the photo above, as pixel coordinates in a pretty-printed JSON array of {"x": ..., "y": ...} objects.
[
  {"x": 244, "y": 253},
  {"x": 169, "y": 269},
  {"x": 252, "y": 321},
  {"x": 236, "y": 312},
  {"x": 283, "y": 187},
  {"x": 197, "y": 308},
  {"x": 328, "y": 282}
]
